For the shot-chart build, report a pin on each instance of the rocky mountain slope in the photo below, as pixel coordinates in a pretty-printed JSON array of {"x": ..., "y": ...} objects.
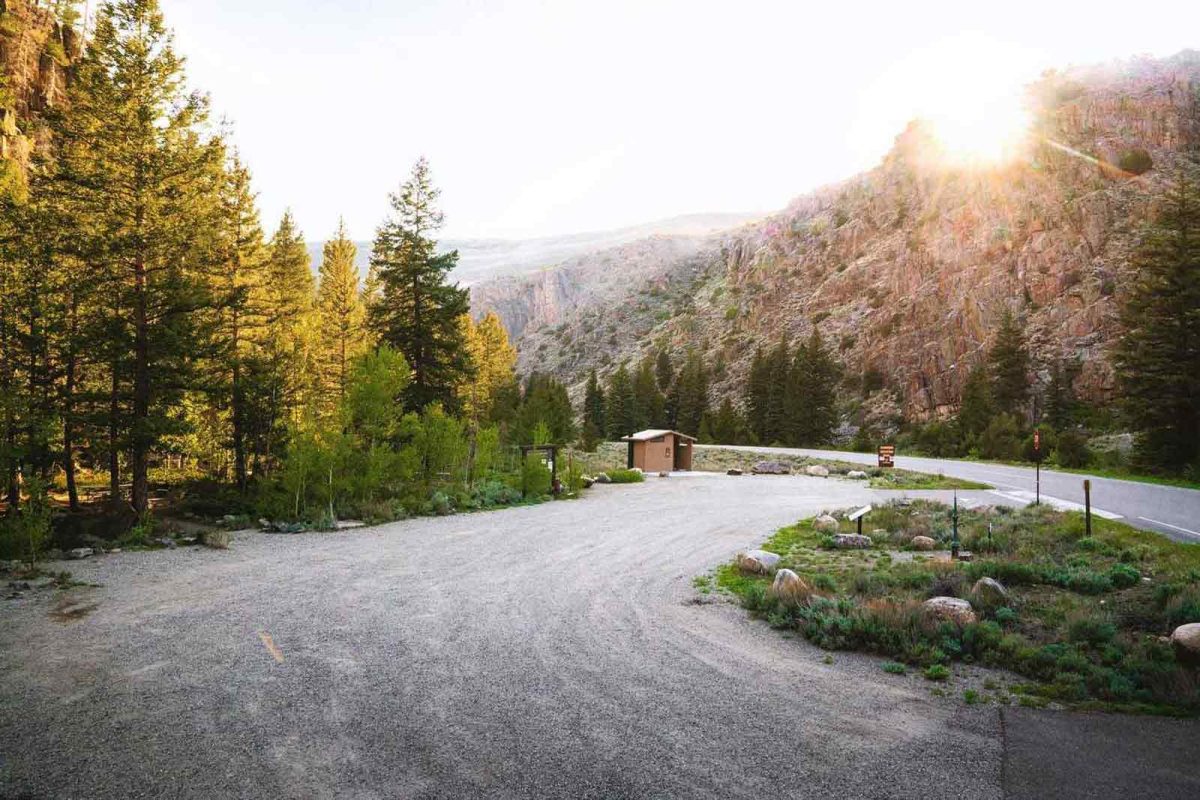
[
  {"x": 34, "y": 54},
  {"x": 905, "y": 269},
  {"x": 485, "y": 259}
]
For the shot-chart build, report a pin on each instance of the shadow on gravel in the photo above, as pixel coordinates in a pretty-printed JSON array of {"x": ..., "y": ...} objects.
[{"x": 68, "y": 610}]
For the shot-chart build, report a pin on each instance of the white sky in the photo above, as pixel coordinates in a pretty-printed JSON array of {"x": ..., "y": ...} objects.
[{"x": 543, "y": 118}]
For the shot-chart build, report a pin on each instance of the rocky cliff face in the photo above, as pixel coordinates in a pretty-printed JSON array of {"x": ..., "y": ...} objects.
[
  {"x": 906, "y": 269},
  {"x": 35, "y": 52}
]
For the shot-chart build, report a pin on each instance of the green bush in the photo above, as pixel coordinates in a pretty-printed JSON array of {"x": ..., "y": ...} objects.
[
  {"x": 1123, "y": 576},
  {"x": 1135, "y": 160},
  {"x": 1072, "y": 451},
  {"x": 936, "y": 672},
  {"x": 1091, "y": 630},
  {"x": 626, "y": 476},
  {"x": 1001, "y": 440},
  {"x": 894, "y": 668},
  {"x": 23, "y": 534}
]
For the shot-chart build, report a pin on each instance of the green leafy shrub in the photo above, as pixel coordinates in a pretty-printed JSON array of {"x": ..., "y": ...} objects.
[
  {"x": 24, "y": 533},
  {"x": 894, "y": 668},
  {"x": 626, "y": 476},
  {"x": 936, "y": 672},
  {"x": 1123, "y": 576},
  {"x": 1135, "y": 160},
  {"x": 1091, "y": 630},
  {"x": 1071, "y": 451}
]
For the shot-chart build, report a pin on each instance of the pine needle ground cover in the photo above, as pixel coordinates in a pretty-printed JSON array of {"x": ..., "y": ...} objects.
[{"x": 1083, "y": 622}]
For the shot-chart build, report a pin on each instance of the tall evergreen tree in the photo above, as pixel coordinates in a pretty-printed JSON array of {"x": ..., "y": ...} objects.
[
  {"x": 1008, "y": 361},
  {"x": 814, "y": 412},
  {"x": 976, "y": 407},
  {"x": 1158, "y": 358},
  {"x": 545, "y": 403},
  {"x": 292, "y": 324},
  {"x": 593, "y": 412},
  {"x": 493, "y": 361},
  {"x": 649, "y": 404},
  {"x": 620, "y": 406},
  {"x": 342, "y": 319},
  {"x": 757, "y": 398},
  {"x": 417, "y": 311},
  {"x": 1060, "y": 402},
  {"x": 691, "y": 389},
  {"x": 664, "y": 371},
  {"x": 726, "y": 426},
  {"x": 137, "y": 159}
]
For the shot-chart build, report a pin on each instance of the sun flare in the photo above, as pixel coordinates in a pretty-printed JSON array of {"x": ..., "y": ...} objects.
[{"x": 981, "y": 131}]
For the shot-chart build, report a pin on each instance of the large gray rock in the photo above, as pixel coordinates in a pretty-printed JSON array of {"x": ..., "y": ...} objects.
[
  {"x": 789, "y": 586},
  {"x": 771, "y": 468},
  {"x": 218, "y": 540},
  {"x": 80, "y": 552},
  {"x": 603, "y": 478},
  {"x": 851, "y": 541},
  {"x": 949, "y": 609},
  {"x": 923, "y": 543},
  {"x": 989, "y": 592},
  {"x": 825, "y": 523},
  {"x": 1186, "y": 641},
  {"x": 817, "y": 471},
  {"x": 856, "y": 474},
  {"x": 760, "y": 562}
]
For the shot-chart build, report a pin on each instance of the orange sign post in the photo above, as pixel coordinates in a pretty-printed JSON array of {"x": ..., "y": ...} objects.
[{"x": 887, "y": 455}]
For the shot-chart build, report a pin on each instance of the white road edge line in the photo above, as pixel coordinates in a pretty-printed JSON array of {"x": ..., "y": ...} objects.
[
  {"x": 1169, "y": 525},
  {"x": 1056, "y": 502}
]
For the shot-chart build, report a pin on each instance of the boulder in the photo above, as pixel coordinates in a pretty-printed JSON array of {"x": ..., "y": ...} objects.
[
  {"x": 603, "y": 478},
  {"x": 817, "y": 471},
  {"x": 664, "y": 474},
  {"x": 80, "y": 552},
  {"x": 789, "y": 586},
  {"x": 922, "y": 543},
  {"x": 733, "y": 472},
  {"x": 218, "y": 540},
  {"x": 825, "y": 524},
  {"x": 856, "y": 474},
  {"x": 851, "y": 541},
  {"x": 949, "y": 609},
  {"x": 588, "y": 482},
  {"x": 264, "y": 523},
  {"x": 1186, "y": 641},
  {"x": 989, "y": 592},
  {"x": 771, "y": 468},
  {"x": 760, "y": 562}
]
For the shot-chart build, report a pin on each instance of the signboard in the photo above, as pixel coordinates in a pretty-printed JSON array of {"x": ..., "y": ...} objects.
[
  {"x": 860, "y": 513},
  {"x": 887, "y": 455},
  {"x": 1037, "y": 443}
]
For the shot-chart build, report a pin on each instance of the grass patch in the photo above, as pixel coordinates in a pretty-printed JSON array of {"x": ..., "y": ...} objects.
[
  {"x": 907, "y": 479},
  {"x": 1082, "y": 620},
  {"x": 625, "y": 476}
]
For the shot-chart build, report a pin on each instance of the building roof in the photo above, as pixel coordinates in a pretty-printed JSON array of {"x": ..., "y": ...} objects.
[{"x": 645, "y": 436}]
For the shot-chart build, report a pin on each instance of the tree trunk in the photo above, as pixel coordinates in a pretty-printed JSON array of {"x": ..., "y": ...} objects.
[
  {"x": 140, "y": 444},
  {"x": 68, "y": 454},
  {"x": 114, "y": 455},
  {"x": 239, "y": 422}
]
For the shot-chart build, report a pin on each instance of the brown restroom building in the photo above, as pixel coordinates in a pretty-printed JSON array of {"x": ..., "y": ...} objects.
[{"x": 660, "y": 451}]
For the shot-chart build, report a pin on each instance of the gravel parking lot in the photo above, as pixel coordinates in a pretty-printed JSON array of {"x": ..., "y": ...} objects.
[{"x": 550, "y": 651}]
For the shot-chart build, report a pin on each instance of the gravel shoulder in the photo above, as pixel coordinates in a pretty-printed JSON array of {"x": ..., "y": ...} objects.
[{"x": 549, "y": 651}]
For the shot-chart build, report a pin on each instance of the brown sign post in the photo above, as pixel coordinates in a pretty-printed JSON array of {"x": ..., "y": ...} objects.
[{"x": 887, "y": 455}]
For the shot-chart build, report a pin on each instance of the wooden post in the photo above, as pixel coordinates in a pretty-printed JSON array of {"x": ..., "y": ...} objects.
[{"x": 1087, "y": 505}]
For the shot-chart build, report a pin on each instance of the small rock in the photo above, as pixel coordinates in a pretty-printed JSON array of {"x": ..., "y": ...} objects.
[
  {"x": 922, "y": 543},
  {"x": 218, "y": 540},
  {"x": 349, "y": 524},
  {"x": 757, "y": 561},
  {"x": 967, "y": 555},
  {"x": 856, "y": 474},
  {"x": 603, "y": 478},
  {"x": 771, "y": 468},
  {"x": 733, "y": 472},
  {"x": 81, "y": 552},
  {"x": 664, "y": 474},
  {"x": 114, "y": 551},
  {"x": 949, "y": 609},
  {"x": 990, "y": 592},
  {"x": 187, "y": 539},
  {"x": 817, "y": 471},
  {"x": 588, "y": 482},
  {"x": 825, "y": 523},
  {"x": 1186, "y": 641},
  {"x": 851, "y": 541},
  {"x": 264, "y": 523},
  {"x": 789, "y": 586},
  {"x": 167, "y": 542}
]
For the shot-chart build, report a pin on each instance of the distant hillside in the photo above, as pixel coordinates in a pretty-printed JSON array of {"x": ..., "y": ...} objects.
[
  {"x": 905, "y": 268},
  {"x": 483, "y": 259}
]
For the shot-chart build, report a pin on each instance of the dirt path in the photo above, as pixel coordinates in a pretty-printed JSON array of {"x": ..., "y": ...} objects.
[{"x": 554, "y": 651}]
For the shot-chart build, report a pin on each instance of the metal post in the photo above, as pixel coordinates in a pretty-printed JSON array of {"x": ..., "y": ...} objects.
[
  {"x": 860, "y": 525},
  {"x": 954, "y": 534},
  {"x": 1038, "y": 487},
  {"x": 1087, "y": 505}
]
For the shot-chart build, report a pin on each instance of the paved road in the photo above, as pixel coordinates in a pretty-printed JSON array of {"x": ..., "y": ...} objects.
[
  {"x": 555, "y": 651},
  {"x": 1169, "y": 510}
]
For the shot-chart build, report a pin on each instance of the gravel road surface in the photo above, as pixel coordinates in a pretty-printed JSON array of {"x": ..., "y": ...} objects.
[{"x": 550, "y": 651}]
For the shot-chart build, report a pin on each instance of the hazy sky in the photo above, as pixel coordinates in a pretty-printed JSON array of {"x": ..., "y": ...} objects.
[{"x": 543, "y": 118}]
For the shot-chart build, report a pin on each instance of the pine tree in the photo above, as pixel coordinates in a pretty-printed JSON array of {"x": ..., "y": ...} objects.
[
  {"x": 135, "y": 157},
  {"x": 493, "y": 361},
  {"x": 342, "y": 334},
  {"x": 292, "y": 328},
  {"x": 620, "y": 409},
  {"x": 726, "y": 426},
  {"x": 758, "y": 389},
  {"x": 417, "y": 312},
  {"x": 976, "y": 407},
  {"x": 1008, "y": 361},
  {"x": 593, "y": 413},
  {"x": 648, "y": 401},
  {"x": 692, "y": 391},
  {"x": 546, "y": 405},
  {"x": 1158, "y": 358},
  {"x": 664, "y": 371},
  {"x": 1061, "y": 403},
  {"x": 816, "y": 376}
]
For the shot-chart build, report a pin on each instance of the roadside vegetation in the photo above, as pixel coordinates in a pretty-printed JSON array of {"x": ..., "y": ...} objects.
[{"x": 1081, "y": 618}]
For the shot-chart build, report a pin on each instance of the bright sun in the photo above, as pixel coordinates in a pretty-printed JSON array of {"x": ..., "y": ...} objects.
[{"x": 969, "y": 89}]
